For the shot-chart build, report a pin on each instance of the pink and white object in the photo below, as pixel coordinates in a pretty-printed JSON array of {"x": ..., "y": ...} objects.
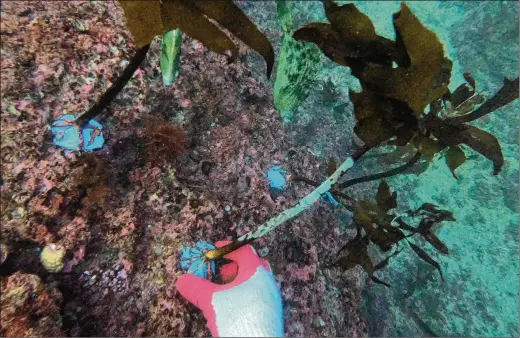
[{"x": 248, "y": 306}]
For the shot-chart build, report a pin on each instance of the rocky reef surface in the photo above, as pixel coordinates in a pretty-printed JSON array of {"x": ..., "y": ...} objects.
[
  {"x": 188, "y": 162},
  {"x": 123, "y": 213}
]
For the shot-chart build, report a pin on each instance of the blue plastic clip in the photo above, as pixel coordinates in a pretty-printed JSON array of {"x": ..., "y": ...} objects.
[
  {"x": 191, "y": 259},
  {"x": 66, "y": 134}
]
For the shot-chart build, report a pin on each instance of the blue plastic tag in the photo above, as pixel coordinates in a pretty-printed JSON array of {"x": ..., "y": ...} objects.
[
  {"x": 66, "y": 134},
  {"x": 276, "y": 177}
]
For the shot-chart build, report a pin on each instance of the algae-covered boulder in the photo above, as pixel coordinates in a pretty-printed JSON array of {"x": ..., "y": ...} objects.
[{"x": 29, "y": 308}]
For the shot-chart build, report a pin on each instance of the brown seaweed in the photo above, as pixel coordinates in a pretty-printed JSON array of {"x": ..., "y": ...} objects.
[
  {"x": 164, "y": 140},
  {"x": 435, "y": 242},
  {"x": 385, "y": 261},
  {"x": 421, "y": 81},
  {"x": 425, "y": 257},
  {"x": 357, "y": 254},
  {"x": 386, "y": 200},
  {"x": 401, "y": 78},
  {"x": 455, "y": 158},
  {"x": 506, "y": 94},
  {"x": 147, "y": 19},
  {"x": 375, "y": 220}
]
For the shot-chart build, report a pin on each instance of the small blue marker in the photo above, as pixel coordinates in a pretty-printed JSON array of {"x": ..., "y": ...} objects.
[
  {"x": 276, "y": 177},
  {"x": 66, "y": 134},
  {"x": 332, "y": 199}
]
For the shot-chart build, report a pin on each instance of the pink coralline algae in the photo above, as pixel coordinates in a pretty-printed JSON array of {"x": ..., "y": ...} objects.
[
  {"x": 124, "y": 218},
  {"x": 29, "y": 308}
]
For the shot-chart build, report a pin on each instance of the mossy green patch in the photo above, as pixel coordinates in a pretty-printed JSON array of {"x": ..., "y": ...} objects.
[{"x": 298, "y": 66}]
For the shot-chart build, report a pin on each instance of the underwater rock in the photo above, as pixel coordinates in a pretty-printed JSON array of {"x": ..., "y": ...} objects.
[
  {"x": 29, "y": 308},
  {"x": 4, "y": 252},
  {"x": 496, "y": 42}
]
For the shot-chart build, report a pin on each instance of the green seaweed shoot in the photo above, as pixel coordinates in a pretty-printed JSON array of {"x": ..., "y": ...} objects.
[
  {"x": 171, "y": 55},
  {"x": 298, "y": 66}
]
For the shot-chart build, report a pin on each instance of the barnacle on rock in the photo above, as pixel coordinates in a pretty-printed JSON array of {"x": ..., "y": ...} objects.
[{"x": 52, "y": 257}]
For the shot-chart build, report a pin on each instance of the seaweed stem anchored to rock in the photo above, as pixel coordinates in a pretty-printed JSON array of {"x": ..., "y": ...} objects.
[
  {"x": 390, "y": 111},
  {"x": 112, "y": 92},
  {"x": 155, "y": 18}
]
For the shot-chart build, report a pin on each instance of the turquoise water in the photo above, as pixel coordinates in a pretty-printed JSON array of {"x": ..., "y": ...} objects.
[{"x": 480, "y": 294}]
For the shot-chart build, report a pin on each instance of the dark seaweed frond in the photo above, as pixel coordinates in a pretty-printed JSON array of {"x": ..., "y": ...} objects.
[
  {"x": 147, "y": 19},
  {"x": 400, "y": 79},
  {"x": 375, "y": 223}
]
